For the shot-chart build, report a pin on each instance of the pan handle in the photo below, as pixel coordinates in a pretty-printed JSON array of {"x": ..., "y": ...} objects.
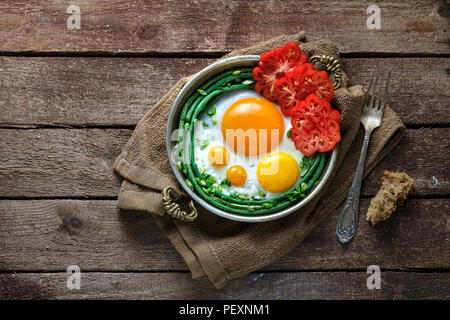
[
  {"x": 332, "y": 65},
  {"x": 173, "y": 209}
]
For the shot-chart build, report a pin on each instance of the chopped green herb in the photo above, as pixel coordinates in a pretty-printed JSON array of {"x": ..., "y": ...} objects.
[
  {"x": 225, "y": 182},
  {"x": 305, "y": 161},
  {"x": 200, "y": 182},
  {"x": 304, "y": 186},
  {"x": 237, "y": 72},
  {"x": 211, "y": 180},
  {"x": 210, "y": 191},
  {"x": 214, "y": 120},
  {"x": 269, "y": 205},
  {"x": 202, "y": 92},
  {"x": 247, "y": 82},
  {"x": 261, "y": 194},
  {"x": 189, "y": 184},
  {"x": 202, "y": 171},
  {"x": 316, "y": 183},
  {"x": 305, "y": 164},
  {"x": 211, "y": 111},
  {"x": 288, "y": 134},
  {"x": 186, "y": 125},
  {"x": 204, "y": 145},
  {"x": 205, "y": 124},
  {"x": 242, "y": 197}
]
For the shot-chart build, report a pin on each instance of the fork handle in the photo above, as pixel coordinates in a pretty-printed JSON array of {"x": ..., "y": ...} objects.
[{"x": 348, "y": 220}]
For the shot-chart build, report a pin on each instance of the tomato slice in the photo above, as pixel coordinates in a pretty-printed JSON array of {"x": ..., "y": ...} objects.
[
  {"x": 273, "y": 65},
  {"x": 315, "y": 126},
  {"x": 287, "y": 97},
  {"x": 325, "y": 89},
  {"x": 300, "y": 82}
]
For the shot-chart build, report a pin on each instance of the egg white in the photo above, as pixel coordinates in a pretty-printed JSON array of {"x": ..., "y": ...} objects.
[{"x": 212, "y": 135}]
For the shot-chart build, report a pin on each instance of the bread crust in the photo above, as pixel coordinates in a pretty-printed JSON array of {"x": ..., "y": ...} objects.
[{"x": 395, "y": 187}]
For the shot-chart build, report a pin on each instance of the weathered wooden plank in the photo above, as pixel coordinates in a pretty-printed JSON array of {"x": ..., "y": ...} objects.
[
  {"x": 85, "y": 91},
  {"x": 117, "y": 92},
  {"x": 49, "y": 235},
  {"x": 394, "y": 244},
  {"x": 419, "y": 88},
  {"x": 308, "y": 285},
  {"x": 77, "y": 162},
  {"x": 421, "y": 153},
  {"x": 208, "y": 26}
]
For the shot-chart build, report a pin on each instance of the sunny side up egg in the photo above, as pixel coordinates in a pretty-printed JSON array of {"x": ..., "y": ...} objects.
[{"x": 262, "y": 163}]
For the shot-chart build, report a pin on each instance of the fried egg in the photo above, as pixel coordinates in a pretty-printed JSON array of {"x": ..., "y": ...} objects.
[{"x": 247, "y": 145}]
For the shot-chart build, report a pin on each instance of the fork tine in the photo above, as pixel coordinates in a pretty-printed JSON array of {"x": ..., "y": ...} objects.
[
  {"x": 385, "y": 93},
  {"x": 367, "y": 95},
  {"x": 372, "y": 96},
  {"x": 378, "y": 93}
]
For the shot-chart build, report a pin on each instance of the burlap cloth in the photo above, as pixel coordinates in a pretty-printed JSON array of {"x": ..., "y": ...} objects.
[{"x": 223, "y": 249}]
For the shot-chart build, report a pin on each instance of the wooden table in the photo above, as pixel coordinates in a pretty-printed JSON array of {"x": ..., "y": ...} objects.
[{"x": 69, "y": 101}]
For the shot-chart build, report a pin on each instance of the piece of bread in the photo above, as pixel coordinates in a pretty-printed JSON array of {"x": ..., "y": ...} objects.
[{"x": 395, "y": 187}]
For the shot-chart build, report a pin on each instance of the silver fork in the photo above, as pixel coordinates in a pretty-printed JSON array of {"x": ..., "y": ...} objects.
[{"x": 372, "y": 112}]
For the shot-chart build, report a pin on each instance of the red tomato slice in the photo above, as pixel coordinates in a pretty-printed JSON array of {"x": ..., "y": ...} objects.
[
  {"x": 273, "y": 65},
  {"x": 300, "y": 82},
  {"x": 315, "y": 126},
  {"x": 287, "y": 97},
  {"x": 325, "y": 89}
]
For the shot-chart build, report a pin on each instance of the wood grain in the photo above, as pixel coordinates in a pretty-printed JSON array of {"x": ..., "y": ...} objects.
[
  {"x": 123, "y": 255},
  {"x": 60, "y": 162},
  {"x": 85, "y": 91},
  {"x": 49, "y": 235},
  {"x": 75, "y": 163},
  {"x": 118, "y": 92},
  {"x": 259, "y": 286},
  {"x": 412, "y": 27}
]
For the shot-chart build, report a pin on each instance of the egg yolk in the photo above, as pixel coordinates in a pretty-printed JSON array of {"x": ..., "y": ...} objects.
[
  {"x": 277, "y": 172},
  {"x": 236, "y": 175},
  {"x": 252, "y": 126},
  {"x": 218, "y": 156}
]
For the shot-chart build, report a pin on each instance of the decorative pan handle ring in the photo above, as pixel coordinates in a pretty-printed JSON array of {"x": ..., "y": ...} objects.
[
  {"x": 173, "y": 209},
  {"x": 332, "y": 65}
]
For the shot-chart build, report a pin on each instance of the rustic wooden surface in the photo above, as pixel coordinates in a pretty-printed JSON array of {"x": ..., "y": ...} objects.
[{"x": 69, "y": 100}]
